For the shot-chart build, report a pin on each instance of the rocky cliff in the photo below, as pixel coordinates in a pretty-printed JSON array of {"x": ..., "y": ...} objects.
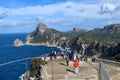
[
  {"x": 43, "y": 35},
  {"x": 109, "y": 34},
  {"x": 114, "y": 28},
  {"x": 95, "y": 42}
]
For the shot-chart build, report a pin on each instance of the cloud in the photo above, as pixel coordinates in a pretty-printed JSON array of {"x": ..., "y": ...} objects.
[
  {"x": 108, "y": 8},
  {"x": 18, "y": 26},
  {"x": 4, "y": 13},
  {"x": 62, "y": 16},
  {"x": 67, "y": 8}
]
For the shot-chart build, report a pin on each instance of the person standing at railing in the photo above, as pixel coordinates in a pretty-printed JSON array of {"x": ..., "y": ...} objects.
[
  {"x": 62, "y": 54},
  {"x": 55, "y": 54},
  {"x": 75, "y": 55},
  {"x": 70, "y": 55},
  {"x": 78, "y": 57},
  {"x": 45, "y": 58},
  {"x": 67, "y": 60},
  {"x": 76, "y": 66}
]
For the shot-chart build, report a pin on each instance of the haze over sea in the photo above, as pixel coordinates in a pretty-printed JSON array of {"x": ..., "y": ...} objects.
[{"x": 8, "y": 52}]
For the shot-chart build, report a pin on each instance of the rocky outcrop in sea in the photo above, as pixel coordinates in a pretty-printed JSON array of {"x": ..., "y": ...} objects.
[{"x": 18, "y": 42}]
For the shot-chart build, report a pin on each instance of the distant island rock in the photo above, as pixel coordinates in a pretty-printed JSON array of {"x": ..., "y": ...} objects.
[{"x": 18, "y": 42}]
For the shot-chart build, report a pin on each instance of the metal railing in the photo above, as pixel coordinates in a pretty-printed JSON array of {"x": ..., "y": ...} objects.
[
  {"x": 98, "y": 64},
  {"x": 26, "y": 74},
  {"x": 110, "y": 62},
  {"x": 102, "y": 73},
  {"x": 15, "y": 61}
]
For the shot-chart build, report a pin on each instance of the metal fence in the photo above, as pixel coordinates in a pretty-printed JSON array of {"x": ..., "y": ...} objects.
[{"x": 102, "y": 73}]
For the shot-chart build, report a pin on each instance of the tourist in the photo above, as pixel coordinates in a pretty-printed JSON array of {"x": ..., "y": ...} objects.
[
  {"x": 55, "y": 54},
  {"x": 85, "y": 58},
  {"x": 70, "y": 55},
  {"x": 67, "y": 60},
  {"x": 51, "y": 55},
  {"x": 76, "y": 66},
  {"x": 45, "y": 59},
  {"x": 75, "y": 55},
  {"x": 78, "y": 57},
  {"x": 62, "y": 54},
  {"x": 81, "y": 57}
]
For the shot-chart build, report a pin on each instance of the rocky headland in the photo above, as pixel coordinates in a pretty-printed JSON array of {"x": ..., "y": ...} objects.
[{"x": 101, "y": 42}]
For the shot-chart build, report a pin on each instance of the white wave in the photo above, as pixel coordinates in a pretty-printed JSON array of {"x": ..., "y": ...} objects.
[
  {"x": 21, "y": 77},
  {"x": 61, "y": 48}
]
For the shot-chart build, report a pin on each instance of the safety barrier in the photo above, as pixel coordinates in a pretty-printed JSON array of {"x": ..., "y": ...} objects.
[
  {"x": 102, "y": 73},
  {"x": 110, "y": 62},
  {"x": 98, "y": 64}
]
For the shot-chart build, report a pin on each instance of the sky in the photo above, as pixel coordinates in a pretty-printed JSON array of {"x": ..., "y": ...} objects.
[{"x": 23, "y": 16}]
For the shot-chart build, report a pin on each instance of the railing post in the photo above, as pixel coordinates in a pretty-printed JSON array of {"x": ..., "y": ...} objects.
[{"x": 99, "y": 71}]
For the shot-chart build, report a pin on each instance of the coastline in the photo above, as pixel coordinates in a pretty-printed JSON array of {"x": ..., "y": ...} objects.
[{"x": 39, "y": 44}]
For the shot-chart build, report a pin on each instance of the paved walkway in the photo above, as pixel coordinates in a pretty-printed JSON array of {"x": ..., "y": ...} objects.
[
  {"x": 113, "y": 71},
  {"x": 57, "y": 70}
]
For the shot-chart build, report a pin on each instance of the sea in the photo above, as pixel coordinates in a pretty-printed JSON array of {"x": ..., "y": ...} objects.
[{"x": 10, "y": 53}]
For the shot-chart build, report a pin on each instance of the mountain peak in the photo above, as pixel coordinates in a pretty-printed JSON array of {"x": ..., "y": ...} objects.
[
  {"x": 42, "y": 27},
  {"x": 114, "y": 27},
  {"x": 79, "y": 30}
]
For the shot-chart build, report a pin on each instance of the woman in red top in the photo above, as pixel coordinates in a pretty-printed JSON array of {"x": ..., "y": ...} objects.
[
  {"x": 62, "y": 54},
  {"x": 76, "y": 66}
]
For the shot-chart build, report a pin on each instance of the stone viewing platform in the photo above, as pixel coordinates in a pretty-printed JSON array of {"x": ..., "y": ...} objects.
[{"x": 56, "y": 69}]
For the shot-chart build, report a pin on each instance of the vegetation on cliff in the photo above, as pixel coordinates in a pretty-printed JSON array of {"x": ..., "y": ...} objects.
[{"x": 36, "y": 67}]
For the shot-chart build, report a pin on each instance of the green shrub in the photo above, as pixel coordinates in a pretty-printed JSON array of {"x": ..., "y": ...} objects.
[{"x": 36, "y": 67}]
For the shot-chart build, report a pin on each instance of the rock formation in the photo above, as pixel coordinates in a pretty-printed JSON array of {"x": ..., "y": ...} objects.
[
  {"x": 43, "y": 35},
  {"x": 18, "y": 43}
]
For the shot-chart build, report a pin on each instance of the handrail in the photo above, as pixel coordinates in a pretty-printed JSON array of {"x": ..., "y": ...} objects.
[
  {"x": 11, "y": 62},
  {"x": 103, "y": 71},
  {"x": 109, "y": 62}
]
